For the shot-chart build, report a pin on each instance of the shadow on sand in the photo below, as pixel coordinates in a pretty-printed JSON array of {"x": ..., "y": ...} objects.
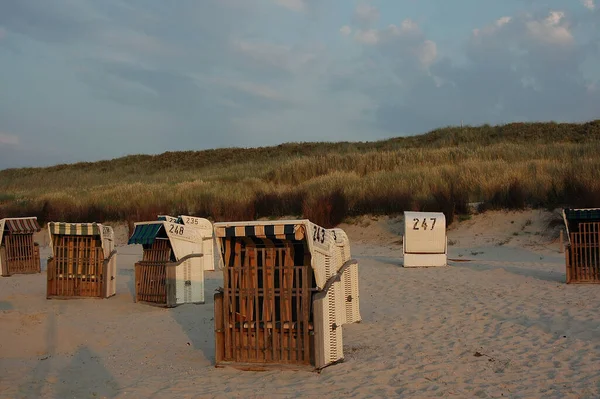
[
  {"x": 197, "y": 320},
  {"x": 129, "y": 275},
  {"x": 546, "y": 275},
  {"x": 128, "y": 256},
  {"x": 85, "y": 376},
  {"x": 480, "y": 266},
  {"x": 559, "y": 326},
  {"x": 399, "y": 261}
]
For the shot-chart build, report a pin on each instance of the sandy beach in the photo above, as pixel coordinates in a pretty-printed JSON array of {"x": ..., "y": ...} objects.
[{"x": 499, "y": 322}]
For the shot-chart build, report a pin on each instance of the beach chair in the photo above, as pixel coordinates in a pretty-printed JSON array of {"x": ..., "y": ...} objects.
[
  {"x": 582, "y": 252},
  {"x": 19, "y": 253},
  {"x": 171, "y": 271},
  {"x": 425, "y": 243},
  {"x": 83, "y": 262},
  {"x": 283, "y": 302}
]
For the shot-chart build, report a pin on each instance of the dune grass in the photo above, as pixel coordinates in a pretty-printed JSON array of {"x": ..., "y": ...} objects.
[{"x": 504, "y": 167}]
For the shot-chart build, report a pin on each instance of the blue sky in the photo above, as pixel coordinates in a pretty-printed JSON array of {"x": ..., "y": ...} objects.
[{"x": 98, "y": 79}]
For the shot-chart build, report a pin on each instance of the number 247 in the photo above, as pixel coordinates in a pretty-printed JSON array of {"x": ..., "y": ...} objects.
[{"x": 423, "y": 224}]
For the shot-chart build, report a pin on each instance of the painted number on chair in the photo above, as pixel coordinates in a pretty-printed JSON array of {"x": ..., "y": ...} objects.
[
  {"x": 176, "y": 229},
  {"x": 319, "y": 235},
  {"x": 422, "y": 225},
  {"x": 189, "y": 220}
]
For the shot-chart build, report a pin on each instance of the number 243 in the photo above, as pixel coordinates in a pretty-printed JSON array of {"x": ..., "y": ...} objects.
[
  {"x": 424, "y": 223},
  {"x": 319, "y": 235}
]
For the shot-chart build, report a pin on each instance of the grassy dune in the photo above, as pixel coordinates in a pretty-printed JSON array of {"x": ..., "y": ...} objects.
[{"x": 509, "y": 166}]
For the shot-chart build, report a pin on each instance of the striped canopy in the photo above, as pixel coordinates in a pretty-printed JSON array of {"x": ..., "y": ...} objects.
[
  {"x": 144, "y": 234},
  {"x": 21, "y": 225},
  {"x": 572, "y": 218},
  {"x": 288, "y": 231},
  {"x": 74, "y": 229},
  {"x": 591, "y": 215}
]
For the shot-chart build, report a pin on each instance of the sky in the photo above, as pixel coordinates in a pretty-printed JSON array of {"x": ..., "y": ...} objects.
[{"x": 84, "y": 80}]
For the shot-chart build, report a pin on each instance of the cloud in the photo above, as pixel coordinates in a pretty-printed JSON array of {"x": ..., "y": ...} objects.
[
  {"x": 366, "y": 14},
  {"x": 320, "y": 116},
  {"x": 524, "y": 67},
  {"x": 63, "y": 20},
  {"x": 254, "y": 89},
  {"x": 211, "y": 73},
  {"x": 503, "y": 21},
  {"x": 128, "y": 39},
  {"x": 126, "y": 46},
  {"x": 294, "y": 5},
  {"x": 552, "y": 30},
  {"x": 493, "y": 28},
  {"x": 8, "y": 139},
  {"x": 427, "y": 53},
  {"x": 369, "y": 36},
  {"x": 278, "y": 56},
  {"x": 189, "y": 70},
  {"x": 589, "y": 4},
  {"x": 408, "y": 26},
  {"x": 405, "y": 47},
  {"x": 408, "y": 30},
  {"x": 526, "y": 39}
]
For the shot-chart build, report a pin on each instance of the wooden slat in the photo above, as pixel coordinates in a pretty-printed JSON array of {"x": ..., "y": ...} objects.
[
  {"x": 76, "y": 269},
  {"x": 254, "y": 265},
  {"x": 151, "y": 279},
  {"x": 268, "y": 309},
  {"x": 21, "y": 254},
  {"x": 236, "y": 297},
  {"x": 160, "y": 250},
  {"x": 219, "y": 328},
  {"x": 306, "y": 303},
  {"x": 151, "y": 282},
  {"x": 583, "y": 255},
  {"x": 266, "y": 304},
  {"x": 245, "y": 304},
  {"x": 227, "y": 297},
  {"x": 288, "y": 281}
]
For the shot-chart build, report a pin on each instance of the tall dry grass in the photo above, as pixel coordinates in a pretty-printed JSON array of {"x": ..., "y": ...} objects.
[{"x": 510, "y": 166}]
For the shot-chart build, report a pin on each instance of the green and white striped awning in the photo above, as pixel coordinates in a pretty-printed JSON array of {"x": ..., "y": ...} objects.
[
  {"x": 145, "y": 233},
  {"x": 74, "y": 229},
  {"x": 574, "y": 217},
  {"x": 583, "y": 215},
  {"x": 276, "y": 230}
]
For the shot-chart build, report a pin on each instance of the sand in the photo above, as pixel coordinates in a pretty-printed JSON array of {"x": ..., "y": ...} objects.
[{"x": 501, "y": 324}]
